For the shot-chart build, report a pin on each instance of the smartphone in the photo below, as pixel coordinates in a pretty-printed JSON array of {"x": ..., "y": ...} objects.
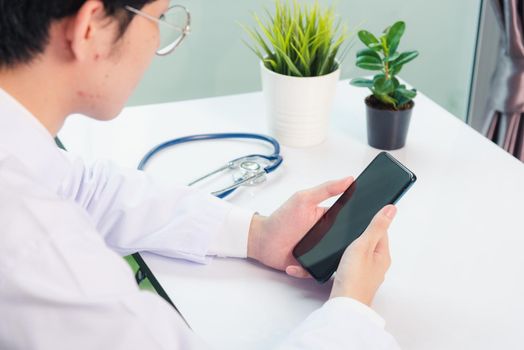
[{"x": 383, "y": 182}]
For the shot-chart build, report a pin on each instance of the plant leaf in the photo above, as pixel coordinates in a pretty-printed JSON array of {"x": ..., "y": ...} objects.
[
  {"x": 404, "y": 58},
  {"x": 367, "y": 38},
  {"x": 255, "y": 50},
  {"x": 369, "y": 59},
  {"x": 395, "y": 70},
  {"x": 396, "y": 82},
  {"x": 410, "y": 94},
  {"x": 369, "y": 66},
  {"x": 361, "y": 82},
  {"x": 270, "y": 64},
  {"x": 392, "y": 57},
  {"x": 383, "y": 86},
  {"x": 376, "y": 46},
  {"x": 298, "y": 39},
  {"x": 394, "y": 34},
  {"x": 400, "y": 100},
  {"x": 369, "y": 52},
  {"x": 403, "y": 95},
  {"x": 386, "y": 99},
  {"x": 290, "y": 65},
  {"x": 384, "y": 43}
]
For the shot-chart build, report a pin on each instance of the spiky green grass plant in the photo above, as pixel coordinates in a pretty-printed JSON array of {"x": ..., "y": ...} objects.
[{"x": 299, "y": 40}]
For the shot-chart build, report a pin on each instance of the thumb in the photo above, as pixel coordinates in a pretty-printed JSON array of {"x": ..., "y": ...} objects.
[
  {"x": 297, "y": 271},
  {"x": 379, "y": 226},
  {"x": 329, "y": 189}
]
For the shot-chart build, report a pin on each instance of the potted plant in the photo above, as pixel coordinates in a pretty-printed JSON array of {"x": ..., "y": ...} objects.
[
  {"x": 299, "y": 47},
  {"x": 390, "y": 104}
]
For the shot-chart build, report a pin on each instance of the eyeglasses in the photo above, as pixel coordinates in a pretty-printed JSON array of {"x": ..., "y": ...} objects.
[{"x": 174, "y": 25}]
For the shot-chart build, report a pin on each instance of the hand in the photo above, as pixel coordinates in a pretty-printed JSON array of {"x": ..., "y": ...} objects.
[
  {"x": 271, "y": 239},
  {"x": 365, "y": 262}
]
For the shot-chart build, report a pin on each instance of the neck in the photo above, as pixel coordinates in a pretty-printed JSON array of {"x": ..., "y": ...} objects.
[{"x": 44, "y": 98}]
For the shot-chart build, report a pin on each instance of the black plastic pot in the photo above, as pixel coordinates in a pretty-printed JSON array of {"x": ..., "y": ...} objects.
[{"x": 387, "y": 129}]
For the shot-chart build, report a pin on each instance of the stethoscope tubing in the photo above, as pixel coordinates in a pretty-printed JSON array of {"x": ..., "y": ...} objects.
[{"x": 274, "y": 159}]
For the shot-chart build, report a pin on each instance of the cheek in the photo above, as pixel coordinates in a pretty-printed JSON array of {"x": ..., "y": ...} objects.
[
  {"x": 140, "y": 51},
  {"x": 134, "y": 55},
  {"x": 138, "y": 60},
  {"x": 120, "y": 73},
  {"x": 150, "y": 45},
  {"x": 142, "y": 56}
]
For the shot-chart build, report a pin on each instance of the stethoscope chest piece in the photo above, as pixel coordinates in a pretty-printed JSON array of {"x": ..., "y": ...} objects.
[{"x": 251, "y": 171}]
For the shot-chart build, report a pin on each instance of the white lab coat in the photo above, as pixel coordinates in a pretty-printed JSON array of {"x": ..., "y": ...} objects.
[{"x": 64, "y": 227}]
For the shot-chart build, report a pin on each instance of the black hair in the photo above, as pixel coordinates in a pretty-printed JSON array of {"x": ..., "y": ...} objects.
[{"x": 24, "y": 24}]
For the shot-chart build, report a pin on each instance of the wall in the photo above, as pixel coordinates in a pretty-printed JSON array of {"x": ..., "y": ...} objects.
[{"x": 214, "y": 61}]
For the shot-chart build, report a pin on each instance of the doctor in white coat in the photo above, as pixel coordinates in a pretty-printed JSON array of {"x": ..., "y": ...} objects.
[{"x": 64, "y": 225}]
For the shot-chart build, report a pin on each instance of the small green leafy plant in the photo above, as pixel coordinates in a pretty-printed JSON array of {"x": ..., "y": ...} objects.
[
  {"x": 381, "y": 55},
  {"x": 298, "y": 40}
]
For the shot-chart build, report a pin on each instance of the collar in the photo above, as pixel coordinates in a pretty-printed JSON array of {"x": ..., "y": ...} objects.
[{"x": 24, "y": 137}]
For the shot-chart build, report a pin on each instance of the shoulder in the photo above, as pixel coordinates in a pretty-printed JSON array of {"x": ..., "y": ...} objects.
[
  {"x": 27, "y": 207},
  {"x": 37, "y": 225},
  {"x": 17, "y": 184}
]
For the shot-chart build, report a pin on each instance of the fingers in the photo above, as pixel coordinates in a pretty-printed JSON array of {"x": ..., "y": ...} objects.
[
  {"x": 328, "y": 189},
  {"x": 378, "y": 227},
  {"x": 297, "y": 271}
]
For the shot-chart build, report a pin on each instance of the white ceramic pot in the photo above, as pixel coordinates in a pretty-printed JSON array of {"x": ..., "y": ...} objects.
[{"x": 299, "y": 108}]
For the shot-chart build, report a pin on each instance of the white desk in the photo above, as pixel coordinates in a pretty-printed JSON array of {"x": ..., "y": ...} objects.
[{"x": 457, "y": 279}]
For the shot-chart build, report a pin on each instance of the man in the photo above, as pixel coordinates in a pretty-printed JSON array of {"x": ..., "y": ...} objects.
[{"x": 64, "y": 225}]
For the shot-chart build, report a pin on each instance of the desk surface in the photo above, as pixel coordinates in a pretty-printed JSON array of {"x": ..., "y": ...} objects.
[{"x": 457, "y": 243}]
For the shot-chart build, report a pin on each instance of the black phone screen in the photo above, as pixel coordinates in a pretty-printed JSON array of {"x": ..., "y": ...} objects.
[{"x": 383, "y": 182}]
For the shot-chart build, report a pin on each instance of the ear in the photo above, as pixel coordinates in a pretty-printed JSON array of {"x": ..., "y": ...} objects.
[{"x": 85, "y": 29}]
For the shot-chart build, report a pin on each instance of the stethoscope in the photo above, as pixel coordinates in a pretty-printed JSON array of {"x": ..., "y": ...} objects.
[{"x": 249, "y": 170}]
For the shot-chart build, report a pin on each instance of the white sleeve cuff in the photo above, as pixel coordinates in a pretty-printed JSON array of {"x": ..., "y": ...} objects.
[
  {"x": 232, "y": 239},
  {"x": 353, "y": 305},
  {"x": 341, "y": 323}
]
